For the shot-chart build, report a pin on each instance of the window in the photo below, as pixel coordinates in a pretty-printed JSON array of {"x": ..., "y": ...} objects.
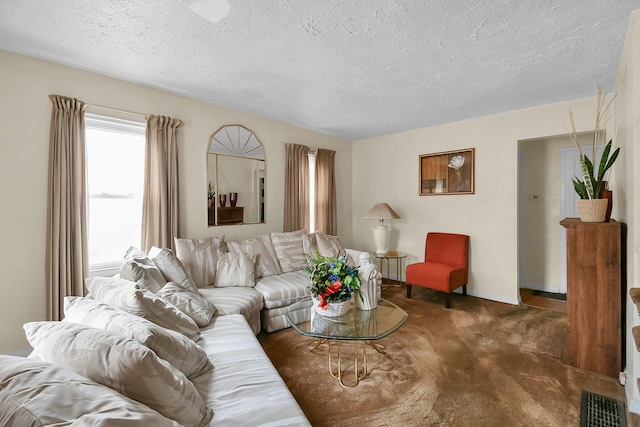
[{"x": 115, "y": 151}]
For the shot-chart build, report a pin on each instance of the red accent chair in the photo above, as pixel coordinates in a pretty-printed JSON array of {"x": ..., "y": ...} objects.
[{"x": 445, "y": 266}]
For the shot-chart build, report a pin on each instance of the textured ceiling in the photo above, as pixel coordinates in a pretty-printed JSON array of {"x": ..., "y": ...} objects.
[{"x": 352, "y": 69}]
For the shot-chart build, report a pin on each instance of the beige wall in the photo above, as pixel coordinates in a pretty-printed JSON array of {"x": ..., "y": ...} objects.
[
  {"x": 626, "y": 194},
  {"x": 386, "y": 170},
  {"x": 25, "y": 111}
]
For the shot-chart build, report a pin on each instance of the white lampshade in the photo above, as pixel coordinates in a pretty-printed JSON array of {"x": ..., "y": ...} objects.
[{"x": 381, "y": 211}]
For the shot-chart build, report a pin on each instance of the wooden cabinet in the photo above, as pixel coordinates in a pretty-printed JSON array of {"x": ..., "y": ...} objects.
[
  {"x": 594, "y": 295},
  {"x": 227, "y": 215}
]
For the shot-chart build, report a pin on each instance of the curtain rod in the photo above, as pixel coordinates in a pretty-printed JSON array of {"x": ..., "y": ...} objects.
[{"x": 100, "y": 107}]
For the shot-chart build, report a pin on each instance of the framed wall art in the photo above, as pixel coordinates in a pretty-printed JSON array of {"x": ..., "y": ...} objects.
[{"x": 450, "y": 172}]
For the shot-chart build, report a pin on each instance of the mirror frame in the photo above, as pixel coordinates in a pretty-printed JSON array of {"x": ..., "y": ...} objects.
[{"x": 236, "y": 141}]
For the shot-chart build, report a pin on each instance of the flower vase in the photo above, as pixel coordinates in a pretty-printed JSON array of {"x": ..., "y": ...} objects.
[
  {"x": 223, "y": 200},
  {"x": 333, "y": 309},
  {"x": 233, "y": 199},
  {"x": 592, "y": 210}
]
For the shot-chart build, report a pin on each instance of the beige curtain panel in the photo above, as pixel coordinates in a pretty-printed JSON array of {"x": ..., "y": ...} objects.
[
  {"x": 66, "y": 248},
  {"x": 326, "y": 212},
  {"x": 160, "y": 219},
  {"x": 296, "y": 188}
]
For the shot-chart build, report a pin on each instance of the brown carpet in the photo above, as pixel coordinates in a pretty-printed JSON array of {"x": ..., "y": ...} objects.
[{"x": 481, "y": 363}]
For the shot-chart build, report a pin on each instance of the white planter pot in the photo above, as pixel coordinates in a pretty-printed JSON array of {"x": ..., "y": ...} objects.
[{"x": 333, "y": 309}]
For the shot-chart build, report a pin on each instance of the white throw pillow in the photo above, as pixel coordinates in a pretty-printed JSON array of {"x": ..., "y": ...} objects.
[
  {"x": 122, "y": 364},
  {"x": 172, "y": 268},
  {"x": 266, "y": 259},
  {"x": 127, "y": 296},
  {"x": 235, "y": 270},
  {"x": 289, "y": 249},
  {"x": 36, "y": 393},
  {"x": 137, "y": 267},
  {"x": 200, "y": 257},
  {"x": 192, "y": 304},
  {"x": 169, "y": 345}
]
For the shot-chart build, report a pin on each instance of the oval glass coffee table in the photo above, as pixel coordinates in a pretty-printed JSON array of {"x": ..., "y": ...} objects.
[{"x": 361, "y": 326}]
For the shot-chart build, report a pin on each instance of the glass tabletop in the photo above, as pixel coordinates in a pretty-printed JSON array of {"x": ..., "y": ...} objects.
[{"x": 354, "y": 325}]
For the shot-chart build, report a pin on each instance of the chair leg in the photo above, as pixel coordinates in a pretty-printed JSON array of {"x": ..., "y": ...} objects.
[
  {"x": 408, "y": 290},
  {"x": 464, "y": 290},
  {"x": 447, "y": 300}
]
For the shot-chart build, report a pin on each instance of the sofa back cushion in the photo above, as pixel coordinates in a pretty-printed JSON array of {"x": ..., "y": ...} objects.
[
  {"x": 122, "y": 364},
  {"x": 175, "y": 348},
  {"x": 200, "y": 257},
  {"x": 262, "y": 247},
  {"x": 290, "y": 250},
  {"x": 37, "y": 393},
  {"x": 128, "y": 296}
]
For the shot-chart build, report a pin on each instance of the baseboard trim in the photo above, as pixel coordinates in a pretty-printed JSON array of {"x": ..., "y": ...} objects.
[
  {"x": 492, "y": 297},
  {"x": 541, "y": 288}
]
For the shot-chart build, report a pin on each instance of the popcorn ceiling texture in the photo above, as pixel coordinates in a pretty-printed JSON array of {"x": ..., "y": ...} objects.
[{"x": 352, "y": 69}]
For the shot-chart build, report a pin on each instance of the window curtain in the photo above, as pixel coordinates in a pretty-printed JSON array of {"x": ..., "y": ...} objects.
[
  {"x": 67, "y": 262},
  {"x": 326, "y": 212},
  {"x": 296, "y": 188},
  {"x": 160, "y": 196}
]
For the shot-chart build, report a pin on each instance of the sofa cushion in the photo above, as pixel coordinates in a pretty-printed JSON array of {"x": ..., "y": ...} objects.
[
  {"x": 310, "y": 244},
  {"x": 329, "y": 246},
  {"x": 172, "y": 268},
  {"x": 169, "y": 345},
  {"x": 31, "y": 391},
  {"x": 284, "y": 289},
  {"x": 137, "y": 267},
  {"x": 290, "y": 250},
  {"x": 127, "y": 296},
  {"x": 245, "y": 301},
  {"x": 235, "y": 270},
  {"x": 266, "y": 259},
  {"x": 200, "y": 256},
  {"x": 190, "y": 303},
  {"x": 122, "y": 364}
]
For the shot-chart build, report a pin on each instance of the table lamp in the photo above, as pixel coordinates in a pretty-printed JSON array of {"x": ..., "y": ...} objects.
[{"x": 381, "y": 211}]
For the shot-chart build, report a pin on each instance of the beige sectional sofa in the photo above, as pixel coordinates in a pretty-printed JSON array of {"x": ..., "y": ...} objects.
[{"x": 172, "y": 341}]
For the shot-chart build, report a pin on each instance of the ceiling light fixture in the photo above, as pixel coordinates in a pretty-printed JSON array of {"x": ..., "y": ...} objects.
[{"x": 211, "y": 10}]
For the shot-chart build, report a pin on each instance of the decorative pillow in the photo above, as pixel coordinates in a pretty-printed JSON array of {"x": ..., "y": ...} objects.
[
  {"x": 192, "y": 304},
  {"x": 310, "y": 244},
  {"x": 329, "y": 245},
  {"x": 36, "y": 393},
  {"x": 289, "y": 250},
  {"x": 235, "y": 270},
  {"x": 172, "y": 268},
  {"x": 137, "y": 267},
  {"x": 122, "y": 364},
  {"x": 200, "y": 257},
  {"x": 262, "y": 247},
  {"x": 169, "y": 345},
  {"x": 127, "y": 296}
]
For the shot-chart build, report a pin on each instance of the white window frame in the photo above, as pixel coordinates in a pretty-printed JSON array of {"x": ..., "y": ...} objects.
[{"x": 116, "y": 125}]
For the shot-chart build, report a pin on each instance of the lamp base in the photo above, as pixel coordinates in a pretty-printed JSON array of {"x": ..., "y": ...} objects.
[{"x": 381, "y": 235}]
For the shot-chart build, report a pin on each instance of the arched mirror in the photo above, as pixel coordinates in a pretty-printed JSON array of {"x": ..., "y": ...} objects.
[{"x": 236, "y": 177}]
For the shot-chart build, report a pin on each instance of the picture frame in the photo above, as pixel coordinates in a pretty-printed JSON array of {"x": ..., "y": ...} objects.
[{"x": 448, "y": 172}]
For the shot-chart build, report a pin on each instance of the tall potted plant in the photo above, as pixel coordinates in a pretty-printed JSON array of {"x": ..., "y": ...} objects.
[{"x": 591, "y": 185}]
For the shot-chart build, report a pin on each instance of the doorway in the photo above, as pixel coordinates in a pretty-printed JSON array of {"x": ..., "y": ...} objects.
[{"x": 545, "y": 197}]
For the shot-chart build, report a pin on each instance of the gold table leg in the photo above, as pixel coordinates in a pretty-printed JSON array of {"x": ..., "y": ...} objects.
[{"x": 336, "y": 371}]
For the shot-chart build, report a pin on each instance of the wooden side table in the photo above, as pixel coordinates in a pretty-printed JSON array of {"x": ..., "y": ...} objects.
[{"x": 397, "y": 256}]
